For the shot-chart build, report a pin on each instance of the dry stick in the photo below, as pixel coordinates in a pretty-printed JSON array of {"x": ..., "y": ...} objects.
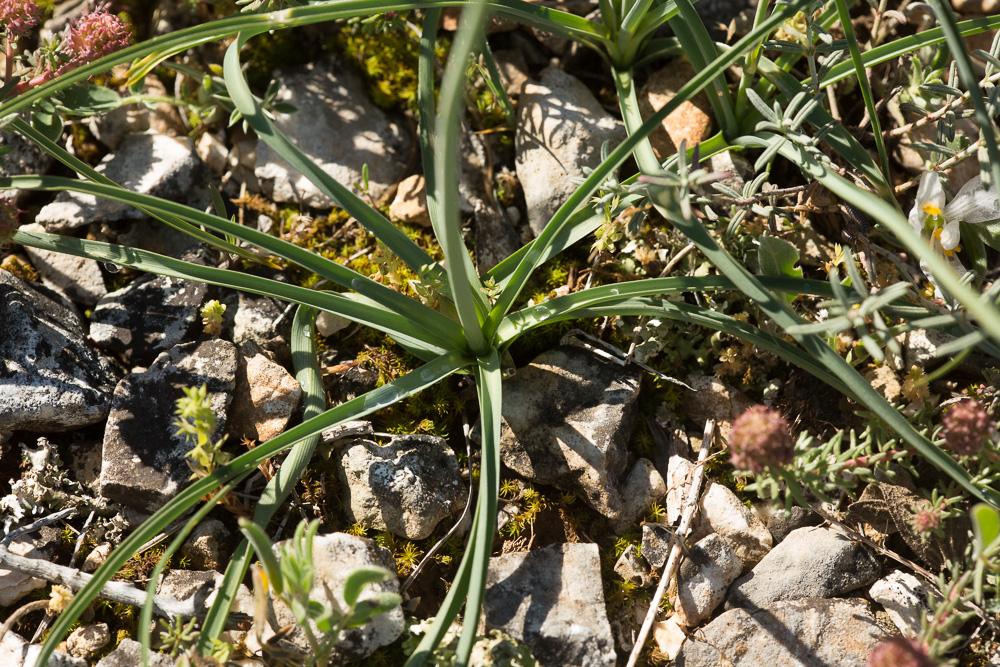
[
  {"x": 37, "y": 605},
  {"x": 677, "y": 550},
  {"x": 116, "y": 591}
]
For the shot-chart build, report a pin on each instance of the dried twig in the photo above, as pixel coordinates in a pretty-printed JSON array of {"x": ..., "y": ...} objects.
[
  {"x": 677, "y": 549},
  {"x": 116, "y": 591}
]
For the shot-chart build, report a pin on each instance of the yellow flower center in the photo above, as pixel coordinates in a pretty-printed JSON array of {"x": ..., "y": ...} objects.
[
  {"x": 937, "y": 237},
  {"x": 931, "y": 209}
]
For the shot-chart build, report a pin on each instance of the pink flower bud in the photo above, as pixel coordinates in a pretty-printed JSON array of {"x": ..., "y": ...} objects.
[
  {"x": 899, "y": 652},
  {"x": 926, "y": 520},
  {"x": 760, "y": 438},
  {"x": 18, "y": 17},
  {"x": 94, "y": 36},
  {"x": 967, "y": 427}
]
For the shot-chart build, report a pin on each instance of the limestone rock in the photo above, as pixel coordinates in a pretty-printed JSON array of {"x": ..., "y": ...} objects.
[
  {"x": 50, "y": 380},
  {"x": 553, "y": 601},
  {"x": 335, "y": 555},
  {"x": 812, "y": 562},
  {"x": 204, "y": 546},
  {"x": 79, "y": 277},
  {"x": 567, "y": 418},
  {"x": 150, "y": 164},
  {"x": 266, "y": 398},
  {"x": 15, "y": 584},
  {"x": 691, "y": 122},
  {"x": 410, "y": 203},
  {"x": 720, "y": 511},
  {"x": 15, "y": 651},
  {"x": 406, "y": 487},
  {"x": 799, "y": 633},
  {"x": 87, "y": 640},
  {"x": 705, "y": 573},
  {"x": 261, "y": 320},
  {"x": 904, "y": 598},
  {"x": 339, "y": 128},
  {"x": 632, "y": 568},
  {"x": 144, "y": 460},
  {"x": 147, "y": 317},
  {"x": 129, "y": 654},
  {"x": 559, "y": 134}
]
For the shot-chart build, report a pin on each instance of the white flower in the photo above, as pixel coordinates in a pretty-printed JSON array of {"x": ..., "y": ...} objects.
[{"x": 930, "y": 216}]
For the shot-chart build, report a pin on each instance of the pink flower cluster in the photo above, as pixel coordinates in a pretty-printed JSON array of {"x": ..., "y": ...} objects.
[
  {"x": 967, "y": 426},
  {"x": 760, "y": 438},
  {"x": 94, "y": 36},
  {"x": 900, "y": 652},
  {"x": 18, "y": 17}
]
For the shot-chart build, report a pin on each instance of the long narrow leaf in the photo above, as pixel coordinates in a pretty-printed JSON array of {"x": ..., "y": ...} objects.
[
  {"x": 353, "y": 307},
  {"x": 279, "y": 487},
  {"x": 462, "y": 277}
]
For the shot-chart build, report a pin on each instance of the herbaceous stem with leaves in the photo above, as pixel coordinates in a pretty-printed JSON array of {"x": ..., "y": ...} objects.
[{"x": 766, "y": 113}]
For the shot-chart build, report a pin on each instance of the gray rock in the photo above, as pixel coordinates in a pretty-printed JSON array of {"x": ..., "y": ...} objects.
[
  {"x": 568, "y": 416},
  {"x": 15, "y": 584},
  {"x": 631, "y": 567},
  {"x": 261, "y": 320},
  {"x": 147, "y": 317},
  {"x": 720, "y": 511},
  {"x": 406, "y": 487},
  {"x": 266, "y": 398},
  {"x": 152, "y": 164},
  {"x": 656, "y": 542},
  {"x": 552, "y": 600},
  {"x": 203, "y": 547},
  {"x": 79, "y": 277},
  {"x": 50, "y": 380},
  {"x": 87, "y": 640},
  {"x": 15, "y": 651},
  {"x": 560, "y": 132},
  {"x": 129, "y": 654},
  {"x": 803, "y": 633},
  {"x": 22, "y": 157},
  {"x": 904, "y": 598},
  {"x": 780, "y": 521},
  {"x": 705, "y": 573},
  {"x": 335, "y": 555},
  {"x": 144, "y": 462},
  {"x": 337, "y": 126},
  {"x": 200, "y": 586},
  {"x": 811, "y": 562}
]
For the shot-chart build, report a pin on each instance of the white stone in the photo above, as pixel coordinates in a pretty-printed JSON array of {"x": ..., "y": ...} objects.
[{"x": 904, "y": 598}]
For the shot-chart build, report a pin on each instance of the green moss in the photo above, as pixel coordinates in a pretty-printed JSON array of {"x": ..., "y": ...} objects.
[{"x": 387, "y": 56}]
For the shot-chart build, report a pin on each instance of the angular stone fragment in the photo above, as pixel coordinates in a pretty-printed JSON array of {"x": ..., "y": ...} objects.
[
  {"x": 690, "y": 123},
  {"x": 720, "y": 511},
  {"x": 812, "y": 562},
  {"x": 704, "y": 575},
  {"x": 129, "y": 654},
  {"x": 144, "y": 460},
  {"x": 568, "y": 416},
  {"x": 553, "y": 601},
  {"x": 147, "y": 317},
  {"x": 335, "y": 555},
  {"x": 266, "y": 398},
  {"x": 904, "y": 598},
  {"x": 79, "y": 277},
  {"x": 800, "y": 633},
  {"x": 50, "y": 380},
  {"x": 340, "y": 129},
  {"x": 560, "y": 132},
  {"x": 406, "y": 487},
  {"x": 151, "y": 164}
]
